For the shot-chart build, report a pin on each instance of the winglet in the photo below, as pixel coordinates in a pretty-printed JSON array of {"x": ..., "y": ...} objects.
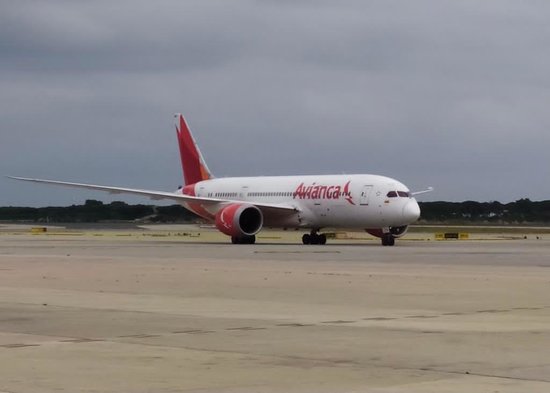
[
  {"x": 429, "y": 189},
  {"x": 192, "y": 162}
]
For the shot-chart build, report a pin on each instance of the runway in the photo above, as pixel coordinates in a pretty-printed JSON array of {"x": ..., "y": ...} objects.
[{"x": 166, "y": 310}]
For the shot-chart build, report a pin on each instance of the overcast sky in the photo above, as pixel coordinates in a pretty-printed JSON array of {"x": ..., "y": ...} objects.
[{"x": 449, "y": 94}]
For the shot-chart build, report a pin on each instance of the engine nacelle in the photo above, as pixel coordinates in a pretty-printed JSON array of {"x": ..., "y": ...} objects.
[
  {"x": 239, "y": 220},
  {"x": 396, "y": 232}
]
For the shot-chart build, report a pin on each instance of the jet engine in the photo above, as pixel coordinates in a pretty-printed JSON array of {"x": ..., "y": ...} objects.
[
  {"x": 396, "y": 232},
  {"x": 239, "y": 220}
]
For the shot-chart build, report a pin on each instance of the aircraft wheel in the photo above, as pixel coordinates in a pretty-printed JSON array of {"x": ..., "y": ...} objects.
[
  {"x": 243, "y": 240},
  {"x": 322, "y": 238},
  {"x": 388, "y": 239},
  {"x": 306, "y": 239}
]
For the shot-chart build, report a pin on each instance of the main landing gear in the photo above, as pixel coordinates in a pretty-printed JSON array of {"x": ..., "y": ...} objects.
[
  {"x": 388, "y": 239},
  {"x": 243, "y": 239},
  {"x": 314, "y": 238}
]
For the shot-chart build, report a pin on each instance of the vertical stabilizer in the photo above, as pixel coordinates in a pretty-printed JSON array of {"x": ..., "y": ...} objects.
[{"x": 193, "y": 164}]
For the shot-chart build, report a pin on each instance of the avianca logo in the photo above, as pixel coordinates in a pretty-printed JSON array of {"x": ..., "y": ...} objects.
[{"x": 318, "y": 191}]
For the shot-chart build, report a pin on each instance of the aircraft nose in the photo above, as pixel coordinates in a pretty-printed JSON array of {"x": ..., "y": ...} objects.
[{"x": 411, "y": 211}]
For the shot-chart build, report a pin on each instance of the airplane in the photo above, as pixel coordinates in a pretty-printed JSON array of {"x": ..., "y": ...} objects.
[{"x": 241, "y": 207}]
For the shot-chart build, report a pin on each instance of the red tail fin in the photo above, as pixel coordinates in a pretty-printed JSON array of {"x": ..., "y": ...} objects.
[{"x": 192, "y": 162}]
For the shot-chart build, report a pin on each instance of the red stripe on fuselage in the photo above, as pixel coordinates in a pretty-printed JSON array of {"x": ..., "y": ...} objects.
[{"x": 196, "y": 207}]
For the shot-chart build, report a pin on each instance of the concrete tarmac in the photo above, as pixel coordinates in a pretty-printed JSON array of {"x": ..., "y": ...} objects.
[{"x": 147, "y": 311}]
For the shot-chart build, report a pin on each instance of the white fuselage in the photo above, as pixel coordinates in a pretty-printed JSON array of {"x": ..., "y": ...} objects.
[{"x": 351, "y": 201}]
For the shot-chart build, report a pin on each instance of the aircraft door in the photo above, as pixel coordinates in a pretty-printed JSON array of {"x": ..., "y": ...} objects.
[
  {"x": 365, "y": 195},
  {"x": 243, "y": 193}
]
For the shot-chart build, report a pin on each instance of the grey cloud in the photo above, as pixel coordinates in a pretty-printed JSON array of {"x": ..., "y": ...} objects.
[
  {"x": 443, "y": 93},
  {"x": 102, "y": 36}
]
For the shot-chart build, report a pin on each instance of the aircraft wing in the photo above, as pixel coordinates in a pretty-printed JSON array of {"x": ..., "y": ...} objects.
[{"x": 157, "y": 195}]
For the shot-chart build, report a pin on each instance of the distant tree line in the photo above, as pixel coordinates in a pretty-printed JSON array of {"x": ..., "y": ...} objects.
[
  {"x": 96, "y": 211},
  {"x": 522, "y": 211},
  {"x": 519, "y": 212}
]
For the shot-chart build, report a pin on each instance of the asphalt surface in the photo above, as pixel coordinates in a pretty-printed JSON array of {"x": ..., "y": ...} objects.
[{"x": 167, "y": 310}]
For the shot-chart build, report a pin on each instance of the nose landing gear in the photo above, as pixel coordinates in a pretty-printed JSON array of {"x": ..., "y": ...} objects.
[
  {"x": 388, "y": 239},
  {"x": 314, "y": 238}
]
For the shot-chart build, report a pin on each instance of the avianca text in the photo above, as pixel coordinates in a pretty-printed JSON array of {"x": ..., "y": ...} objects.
[{"x": 318, "y": 191}]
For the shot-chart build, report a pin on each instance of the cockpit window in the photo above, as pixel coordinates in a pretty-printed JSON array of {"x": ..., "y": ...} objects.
[{"x": 395, "y": 194}]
